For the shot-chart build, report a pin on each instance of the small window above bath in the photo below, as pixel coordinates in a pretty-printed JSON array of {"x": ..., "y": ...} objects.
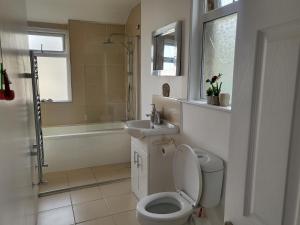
[
  {"x": 51, "y": 50},
  {"x": 46, "y": 42}
]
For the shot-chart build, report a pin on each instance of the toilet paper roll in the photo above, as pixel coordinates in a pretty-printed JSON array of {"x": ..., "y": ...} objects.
[{"x": 167, "y": 149}]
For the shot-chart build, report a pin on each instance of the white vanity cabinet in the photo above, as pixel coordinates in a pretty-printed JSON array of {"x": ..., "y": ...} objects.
[
  {"x": 139, "y": 167},
  {"x": 151, "y": 172}
]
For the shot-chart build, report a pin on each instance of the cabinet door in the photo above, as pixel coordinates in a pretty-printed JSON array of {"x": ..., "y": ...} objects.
[
  {"x": 143, "y": 173},
  {"x": 134, "y": 171}
]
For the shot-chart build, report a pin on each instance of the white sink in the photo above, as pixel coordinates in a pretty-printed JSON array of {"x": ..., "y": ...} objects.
[{"x": 142, "y": 128}]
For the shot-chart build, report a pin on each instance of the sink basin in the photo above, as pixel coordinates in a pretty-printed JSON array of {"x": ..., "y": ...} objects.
[{"x": 142, "y": 128}]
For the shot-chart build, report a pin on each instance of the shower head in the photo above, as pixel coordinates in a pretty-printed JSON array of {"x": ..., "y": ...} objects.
[
  {"x": 127, "y": 45},
  {"x": 109, "y": 39}
]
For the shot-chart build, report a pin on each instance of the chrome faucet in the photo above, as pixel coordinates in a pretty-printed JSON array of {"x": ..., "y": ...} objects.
[{"x": 154, "y": 116}]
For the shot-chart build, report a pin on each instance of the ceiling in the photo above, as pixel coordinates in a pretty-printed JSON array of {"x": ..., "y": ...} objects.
[{"x": 60, "y": 11}]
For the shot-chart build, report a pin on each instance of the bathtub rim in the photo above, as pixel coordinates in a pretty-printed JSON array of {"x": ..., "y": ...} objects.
[
  {"x": 88, "y": 133},
  {"x": 92, "y": 132}
]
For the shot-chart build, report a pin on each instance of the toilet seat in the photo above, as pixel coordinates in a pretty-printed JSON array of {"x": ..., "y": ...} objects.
[{"x": 184, "y": 207}]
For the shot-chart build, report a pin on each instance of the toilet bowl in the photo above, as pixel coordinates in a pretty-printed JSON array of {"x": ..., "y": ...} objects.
[
  {"x": 190, "y": 168},
  {"x": 166, "y": 208}
]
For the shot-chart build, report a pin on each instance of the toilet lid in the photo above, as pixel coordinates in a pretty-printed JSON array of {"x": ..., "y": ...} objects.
[{"x": 187, "y": 174}]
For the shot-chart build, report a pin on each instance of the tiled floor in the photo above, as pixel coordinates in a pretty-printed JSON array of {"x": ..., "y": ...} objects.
[
  {"x": 86, "y": 176},
  {"x": 107, "y": 204}
]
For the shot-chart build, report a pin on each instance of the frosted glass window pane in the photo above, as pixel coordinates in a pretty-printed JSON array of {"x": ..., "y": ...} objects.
[
  {"x": 48, "y": 43},
  {"x": 214, "y": 4},
  {"x": 53, "y": 78},
  {"x": 218, "y": 51}
]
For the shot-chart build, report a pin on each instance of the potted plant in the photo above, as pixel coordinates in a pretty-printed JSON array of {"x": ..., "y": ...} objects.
[
  {"x": 215, "y": 88},
  {"x": 209, "y": 94}
]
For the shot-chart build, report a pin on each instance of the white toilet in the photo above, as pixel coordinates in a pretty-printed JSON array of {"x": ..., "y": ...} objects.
[{"x": 198, "y": 177}]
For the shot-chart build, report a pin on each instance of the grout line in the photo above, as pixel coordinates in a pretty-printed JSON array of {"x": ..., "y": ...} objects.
[
  {"x": 126, "y": 211},
  {"x": 69, "y": 188},
  {"x": 81, "y": 187},
  {"x": 112, "y": 215},
  {"x": 119, "y": 194},
  {"x": 101, "y": 217},
  {"x": 107, "y": 205},
  {"x": 72, "y": 209},
  {"x": 60, "y": 207},
  {"x": 88, "y": 220}
]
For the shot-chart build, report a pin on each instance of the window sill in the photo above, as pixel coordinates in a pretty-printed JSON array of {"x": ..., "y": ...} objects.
[{"x": 204, "y": 104}]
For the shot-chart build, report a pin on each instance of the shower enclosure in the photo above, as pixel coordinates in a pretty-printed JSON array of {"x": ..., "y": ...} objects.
[
  {"x": 128, "y": 45},
  {"x": 88, "y": 131}
]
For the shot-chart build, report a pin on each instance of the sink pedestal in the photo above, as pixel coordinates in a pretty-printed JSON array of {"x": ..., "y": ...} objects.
[{"x": 151, "y": 172}]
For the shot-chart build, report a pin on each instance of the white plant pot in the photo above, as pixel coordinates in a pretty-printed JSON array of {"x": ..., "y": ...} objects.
[{"x": 224, "y": 99}]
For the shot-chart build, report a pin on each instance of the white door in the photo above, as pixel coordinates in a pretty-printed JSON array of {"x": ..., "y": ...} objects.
[{"x": 263, "y": 169}]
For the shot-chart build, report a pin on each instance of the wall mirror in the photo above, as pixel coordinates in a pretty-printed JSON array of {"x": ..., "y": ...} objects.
[{"x": 166, "y": 50}]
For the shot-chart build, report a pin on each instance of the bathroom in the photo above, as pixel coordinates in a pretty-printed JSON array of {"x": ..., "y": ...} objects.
[{"x": 137, "y": 112}]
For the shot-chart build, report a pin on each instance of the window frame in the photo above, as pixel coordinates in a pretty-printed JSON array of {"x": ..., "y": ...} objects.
[
  {"x": 49, "y": 53},
  {"x": 200, "y": 16}
]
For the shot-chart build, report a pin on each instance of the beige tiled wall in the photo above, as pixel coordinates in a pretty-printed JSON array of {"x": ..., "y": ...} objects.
[
  {"x": 98, "y": 77},
  {"x": 170, "y": 108}
]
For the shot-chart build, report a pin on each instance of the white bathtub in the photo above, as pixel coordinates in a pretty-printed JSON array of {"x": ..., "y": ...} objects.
[{"x": 81, "y": 146}]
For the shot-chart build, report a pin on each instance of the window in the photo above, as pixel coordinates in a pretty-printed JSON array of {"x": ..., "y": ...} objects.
[
  {"x": 218, "y": 51},
  {"x": 212, "y": 45},
  {"x": 215, "y": 4},
  {"x": 46, "y": 42},
  {"x": 51, "y": 50}
]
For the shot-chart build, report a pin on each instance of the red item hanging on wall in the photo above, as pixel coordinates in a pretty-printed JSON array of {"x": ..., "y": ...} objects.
[{"x": 6, "y": 94}]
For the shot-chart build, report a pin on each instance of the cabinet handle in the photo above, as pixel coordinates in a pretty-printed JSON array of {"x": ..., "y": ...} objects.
[
  {"x": 135, "y": 157},
  {"x": 138, "y": 161}
]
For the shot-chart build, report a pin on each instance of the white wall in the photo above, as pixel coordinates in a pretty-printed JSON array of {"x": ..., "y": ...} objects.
[
  {"x": 155, "y": 14},
  {"x": 60, "y": 11},
  {"x": 208, "y": 128},
  {"x": 202, "y": 127},
  {"x": 17, "y": 198}
]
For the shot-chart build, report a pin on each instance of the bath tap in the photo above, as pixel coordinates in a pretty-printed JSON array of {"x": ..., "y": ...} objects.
[{"x": 154, "y": 116}]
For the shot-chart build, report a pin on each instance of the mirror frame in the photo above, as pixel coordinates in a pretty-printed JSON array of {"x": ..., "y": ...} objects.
[{"x": 178, "y": 39}]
